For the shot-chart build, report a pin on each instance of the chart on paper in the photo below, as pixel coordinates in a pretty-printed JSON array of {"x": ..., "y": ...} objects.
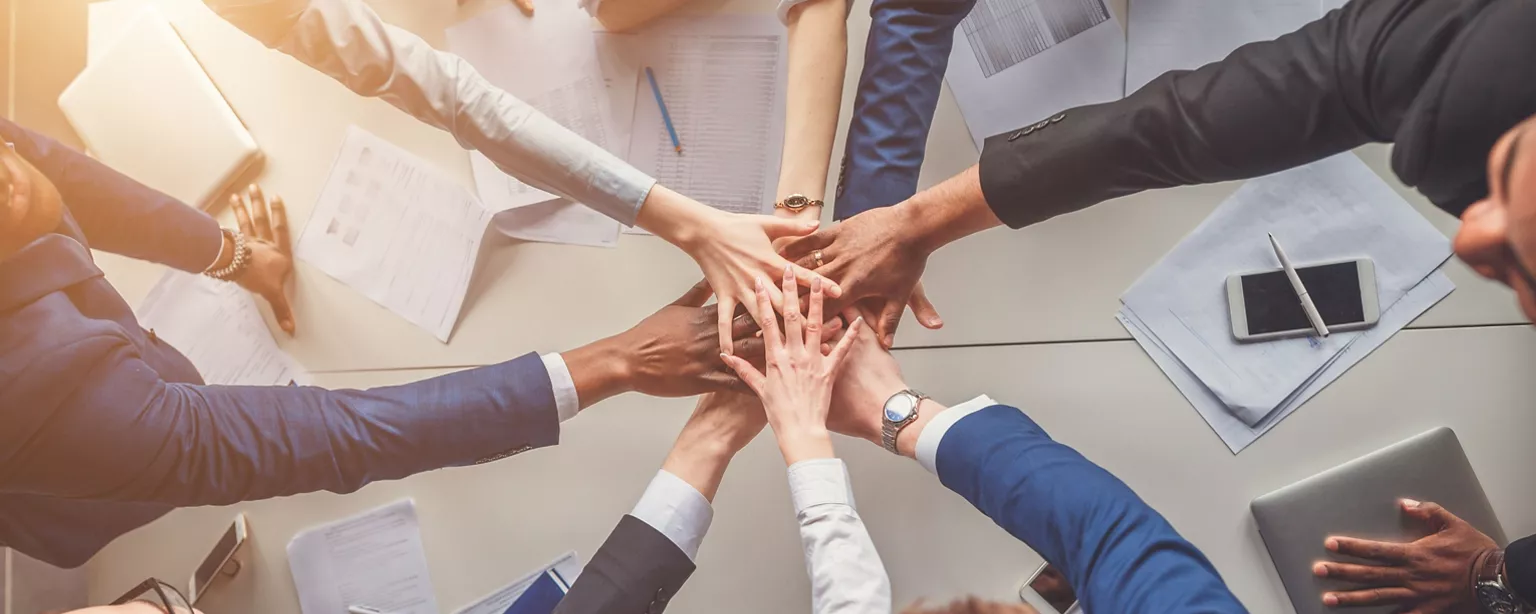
[{"x": 1003, "y": 33}]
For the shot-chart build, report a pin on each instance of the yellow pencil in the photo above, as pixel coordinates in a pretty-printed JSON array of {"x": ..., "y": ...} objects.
[{"x": 525, "y": 5}]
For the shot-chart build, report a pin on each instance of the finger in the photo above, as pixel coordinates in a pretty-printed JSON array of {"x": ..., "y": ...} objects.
[
  {"x": 1370, "y": 596},
  {"x": 840, "y": 351},
  {"x": 923, "y": 309},
  {"x": 813, "y": 319},
  {"x": 242, "y": 217},
  {"x": 1367, "y": 549},
  {"x": 719, "y": 381},
  {"x": 743, "y": 326},
  {"x": 831, "y": 328},
  {"x": 890, "y": 318},
  {"x": 695, "y": 296},
  {"x": 803, "y": 246},
  {"x": 766, "y": 320},
  {"x": 794, "y": 333},
  {"x": 779, "y": 227},
  {"x": 1360, "y": 574},
  {"x": 750, "y": 350},
  {"x": 804, "y": 276},
  {"x": 748, "y": 374},
  {"x": 257, "y": 202},
  {"x": 280, "y": 232},
  {"x": 727, "y": 305},
  {"x": 1431, "y": 513},
  {"x": 282, "y": 310}
]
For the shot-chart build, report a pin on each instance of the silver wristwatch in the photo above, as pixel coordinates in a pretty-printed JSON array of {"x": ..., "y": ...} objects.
[
  {"x": 1492, "y": 590},
  {"x": 900, "y": 410}
]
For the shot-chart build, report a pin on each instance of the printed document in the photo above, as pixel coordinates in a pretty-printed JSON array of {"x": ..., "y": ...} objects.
[
  {"x": 1017, "y": 62},
  {"x": 218, "y": 327},
  {"x": 1169, "y": 35},
  {"x": 569, "y": 567},
  {"x": 397, "y": 230},
  {"x": 375, "y": 559}
]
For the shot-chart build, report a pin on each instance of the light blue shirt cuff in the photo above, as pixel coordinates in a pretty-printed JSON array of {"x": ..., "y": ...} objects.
[
  {"x": 566, "y": 403},
  {"x": 928, "y": 441},
  {"x": 677, "y": 510},
  {"x": 819, "y": 481}
]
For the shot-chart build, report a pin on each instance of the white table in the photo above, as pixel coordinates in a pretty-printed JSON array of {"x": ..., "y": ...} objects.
[
  {"x": 485, "y": 525},
  {"x": 1052, "y": 282}
]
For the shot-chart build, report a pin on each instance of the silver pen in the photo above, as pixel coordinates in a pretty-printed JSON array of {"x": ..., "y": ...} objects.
[{"x": 1301, "y": 290}]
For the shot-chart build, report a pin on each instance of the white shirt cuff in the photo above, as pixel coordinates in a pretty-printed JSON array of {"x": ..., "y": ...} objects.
[
  {"x": 566, "y": 403},
  {"x": 677, "y": 510},
  {"x": 933, "y": 433},
  {"x": 819, "y": 481}
]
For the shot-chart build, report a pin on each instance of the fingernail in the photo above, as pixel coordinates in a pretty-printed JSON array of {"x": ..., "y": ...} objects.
[
  {"x": 816, "y": 284},
  {"x": 789, "y": 270},
  {"x": 1410, "y": 503},
  {"x": 1320, "y": 570},
  {"x": 724, "y": 358},
  {"x": 760, "y": 283},
  {"x": 1330, "y": 599},
  {"x": 1331, "y": 544}
]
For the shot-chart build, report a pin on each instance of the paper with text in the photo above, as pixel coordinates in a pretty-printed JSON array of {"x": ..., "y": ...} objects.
[
  {"x": 375, "y": 559},
  {"x": 569, "y": 567},
  {"x": 218, "y": 327},
  {"x": 1169, "y": 35},
  {"x": 397, "y": 230}
]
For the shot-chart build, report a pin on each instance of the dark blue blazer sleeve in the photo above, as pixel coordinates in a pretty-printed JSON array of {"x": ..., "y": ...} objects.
[
  {"x": 121, "y": 433},
  {"x": 904, "y": 61},
  {"x": 1117, "y": 552},
  {"x": 118, "y": 214},
  {"x": 636, "y": 570}
]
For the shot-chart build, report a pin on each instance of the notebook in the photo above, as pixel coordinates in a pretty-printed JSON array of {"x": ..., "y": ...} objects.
[
  {"x": 146, "y": 108},
  {"x": 542, "y": 596}
]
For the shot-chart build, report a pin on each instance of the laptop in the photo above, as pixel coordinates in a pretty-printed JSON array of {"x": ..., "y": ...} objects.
[
  {"x": 1360, "y": 499},
  {"x": 146, "y": 108}
]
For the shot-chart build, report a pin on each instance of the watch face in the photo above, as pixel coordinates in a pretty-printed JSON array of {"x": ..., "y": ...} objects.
[
  {"x": 1496, "y": 600},
  {"x": 796, "y": 201},
  {"x": 899, "y": 408}
]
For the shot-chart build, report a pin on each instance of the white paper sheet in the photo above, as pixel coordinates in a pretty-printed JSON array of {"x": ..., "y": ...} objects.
[
  {"x": 568, "y": 83},
  {"x": 1016, "y": 62},
  {"x": 375, "y": 559},
  {"x": 1237, "y": 434},
  {"x": 1168, "y": 35},
  {"x": 723, "y": 81},
  {"x": 1329, "y": 210},
  {"x": 569, "y": 567},
  {"x": 218, "y": 327},
  {"x": 397, "y": 230}
]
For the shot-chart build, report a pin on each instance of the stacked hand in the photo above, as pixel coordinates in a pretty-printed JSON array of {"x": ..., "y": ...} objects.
[
  {"x": 1430, "y": 576},
  {"x": 264, "y": 222},
  {"x": 796, "y": 384}
]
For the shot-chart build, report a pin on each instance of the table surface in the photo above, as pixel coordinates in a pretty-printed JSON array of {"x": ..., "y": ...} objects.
[{"x": 1051, "y": 290}]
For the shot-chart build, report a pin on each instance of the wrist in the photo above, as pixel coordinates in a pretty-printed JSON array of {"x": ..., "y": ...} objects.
[
  {"x": 601, "y": 369},
  {"x": 675, "y": 218},
  {"x": 948, "y": 212},
  {"x": 700, "y": 462},
  {"x": 906, "y": 440},
  {"x": 804, "y": 442},
  {"x": 226, "y": 253}
]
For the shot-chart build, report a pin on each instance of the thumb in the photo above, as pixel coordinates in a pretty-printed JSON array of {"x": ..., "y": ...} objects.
[
  {"x": 1433, "y": 514},
  {"x": 926, "y": 314},
  {"x": 695, "y": 296},
  {"x": 282, "y": 311},
  {"x": 779, "y": 227},
  {"x": 890, "y": 318}
]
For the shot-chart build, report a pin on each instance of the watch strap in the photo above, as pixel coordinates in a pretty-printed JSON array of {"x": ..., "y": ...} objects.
[{"x": 889, "y": 430}]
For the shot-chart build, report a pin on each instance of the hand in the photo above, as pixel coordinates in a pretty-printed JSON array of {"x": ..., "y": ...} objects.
[
  {"x": 264, "y": 222},
  {"x": 797, "y": 387},
  {"x": 870, "y": 377},
  {"x": 721, "y": 425},
  {"x": 878, "y": 263},
  {"x": 1431, "y": 575}
]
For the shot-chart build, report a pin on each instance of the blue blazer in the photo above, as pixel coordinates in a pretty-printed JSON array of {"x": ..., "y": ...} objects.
[
  {"x": 1118, "y": 553},
  {"x": 103, "y": 427}
]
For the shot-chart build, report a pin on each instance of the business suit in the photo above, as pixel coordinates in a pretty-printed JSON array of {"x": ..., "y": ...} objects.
[
  {"x": 637, "y": 570},
  {"x": 104, "y": 427},
  {"x": 1443, "y": 79},
  {"x": 1118, "y": 553}
]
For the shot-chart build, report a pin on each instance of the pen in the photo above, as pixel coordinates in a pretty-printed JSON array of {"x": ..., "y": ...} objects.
[
  {"x": 665, "y": 117},
  {"x": 1301, "y": 290}
]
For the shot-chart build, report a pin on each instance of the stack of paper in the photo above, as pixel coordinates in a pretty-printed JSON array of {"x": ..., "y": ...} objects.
[
  {"x": 375, "y": 560},
  {"x": 218, "y": 327},
  {"x": 567, "y": 567},
  {"x": 1331, "y": 210}
]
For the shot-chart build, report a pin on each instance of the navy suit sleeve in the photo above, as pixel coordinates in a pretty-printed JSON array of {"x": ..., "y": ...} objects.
[
  {"x": 123, "y": 434},
  {"x": 116, "y": 213},
  {"x": 1117, "y": 552},
  {"x": 904, "y": 61},
  {"x": 636, "y": 570}
]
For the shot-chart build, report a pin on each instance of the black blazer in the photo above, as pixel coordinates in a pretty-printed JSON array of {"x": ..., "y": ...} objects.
[
  {"x": 636, "y": 571},
  {"x": 1441, "y": 78}
]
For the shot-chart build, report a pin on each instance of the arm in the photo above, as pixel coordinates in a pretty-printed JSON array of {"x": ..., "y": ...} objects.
[
  {"x": 847, "y": 575},
  {"x": 904, "y": 61},
  {"x": 818, "y": 57},
  {"x": 118, "y": 214}
]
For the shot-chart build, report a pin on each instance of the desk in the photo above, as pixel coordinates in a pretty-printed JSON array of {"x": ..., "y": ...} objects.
[
  {"x": 1051, "y": 282},
  {"x": 485, "y": 525}
]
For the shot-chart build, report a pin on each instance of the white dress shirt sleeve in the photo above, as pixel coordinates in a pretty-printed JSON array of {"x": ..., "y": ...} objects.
[
  {"x": 847, "y": 576},
  {"x": 566, "y": 402},
  {"x": 933, "y": 433},
  {"x": 677, "y": 510},
  {"x": 346, "y": 40}
]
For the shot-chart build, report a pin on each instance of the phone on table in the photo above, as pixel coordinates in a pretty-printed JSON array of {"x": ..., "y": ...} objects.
[
  {"x": 223, "y": 555},
  {"x": 1047, "y": 590},
  {"x": 1264, "y": 305}
]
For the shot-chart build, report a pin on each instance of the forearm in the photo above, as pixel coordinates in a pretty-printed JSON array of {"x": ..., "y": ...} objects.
[
  {"x": 675, "y": 218},
  {"x": 947, "y": 212},
  {"x": 800, "y": 442},
  {"x": 818, "y": 51},
  {"x": 600, "y": 370},
  {"x": 846, "y": 573},
  {"x": 699, "y": 461}
]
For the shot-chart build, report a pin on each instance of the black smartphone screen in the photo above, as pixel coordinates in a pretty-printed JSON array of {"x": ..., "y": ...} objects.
[
  {"x": 1272, "y": 306},
  {"x": 1052, "y": 586},
  {"x": 215, "y": 560}
]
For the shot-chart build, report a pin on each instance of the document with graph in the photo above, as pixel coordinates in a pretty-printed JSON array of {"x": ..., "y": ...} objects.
[{"x": 1017, "y": 62}]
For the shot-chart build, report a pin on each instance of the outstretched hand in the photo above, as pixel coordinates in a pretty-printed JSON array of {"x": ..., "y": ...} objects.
[
  {"x": 264, "y": 222},
  {"x": 1432, "y": 575}
]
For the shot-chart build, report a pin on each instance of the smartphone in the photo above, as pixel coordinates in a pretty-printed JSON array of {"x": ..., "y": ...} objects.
[
  {"x": 1264, "y": 305},
  {"x": 1048, "y": 591},
  {"x": 221, "y": 556}
]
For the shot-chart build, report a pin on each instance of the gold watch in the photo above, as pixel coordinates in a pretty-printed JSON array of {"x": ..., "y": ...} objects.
[{"x": 796, "y": 202}]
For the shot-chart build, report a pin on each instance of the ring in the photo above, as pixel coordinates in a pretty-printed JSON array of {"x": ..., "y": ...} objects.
[{"x": 817, "y": 255}]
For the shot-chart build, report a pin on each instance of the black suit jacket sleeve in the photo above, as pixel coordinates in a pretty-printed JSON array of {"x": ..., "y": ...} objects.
[
  {"x": 1335, "y": 84},
  {"x": 1520, "y": 568},
  {"x": 637, "y": 570}
]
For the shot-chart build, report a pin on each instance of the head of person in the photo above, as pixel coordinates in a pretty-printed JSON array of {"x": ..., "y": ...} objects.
[
  {"x": 30, "y": 205},
  {"x": 1498, "y": 233},
  {"x": 971, "y": 605}
]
